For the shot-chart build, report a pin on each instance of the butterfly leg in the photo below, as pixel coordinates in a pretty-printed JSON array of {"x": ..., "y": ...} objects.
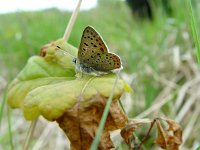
[{"x": 81, "y": 70}]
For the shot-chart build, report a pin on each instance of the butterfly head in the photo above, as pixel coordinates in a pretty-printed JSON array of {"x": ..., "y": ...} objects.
[{"x": 74, "y": 61}]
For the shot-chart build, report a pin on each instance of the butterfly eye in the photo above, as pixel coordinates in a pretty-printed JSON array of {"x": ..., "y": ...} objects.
[{"x": 74, "y": 60}]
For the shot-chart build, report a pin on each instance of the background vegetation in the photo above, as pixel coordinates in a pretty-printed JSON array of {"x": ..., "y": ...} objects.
[{"x": 158, "y": 58}]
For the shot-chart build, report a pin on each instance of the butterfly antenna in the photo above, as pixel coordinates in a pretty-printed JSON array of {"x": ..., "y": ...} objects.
[{"x": 65, "y": 52}]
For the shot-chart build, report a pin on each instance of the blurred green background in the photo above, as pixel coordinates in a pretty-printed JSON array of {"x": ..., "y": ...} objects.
[{"x": 158, "y": 56}]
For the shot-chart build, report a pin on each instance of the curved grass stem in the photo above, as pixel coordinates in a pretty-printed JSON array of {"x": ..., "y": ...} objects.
[{"x": 29, "y": 134}]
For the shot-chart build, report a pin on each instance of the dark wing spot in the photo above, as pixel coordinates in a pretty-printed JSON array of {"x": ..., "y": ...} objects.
[
  {"x": 94, "y": 45},
  {"x": 84, "y": 49},
  {"x": 88, "y": 59},
  {"x": 96, "y": 61},
  {"x": 88, "y": 36},
  {"x": 85, "y": 37},
  {"x": 106, "y": 54},
  {"x": 102, "y": 61},
  {"x": 110, "y": 63},
  {"x": 91, "y": 38},
  {"x": 97, "y": 40},
  {"x": 92, "y": 57},
  {"x": 101, "y": 49},
  {"x": 106, "y": 57},
  {"x": 82, "y": 53},
  {"x": 86, "y": 44},
  {"x": 98, "y": 53},
  {"x": 58, "y": 46},
  {"x": 92, "y": 51}
]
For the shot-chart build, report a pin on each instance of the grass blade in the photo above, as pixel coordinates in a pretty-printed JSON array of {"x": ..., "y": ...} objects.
[
  {"x": 194, "y": 30},
  {"x": 10, "y": 129},
  {"x": 30, "y": 134},
  {"x": 3, "y": 103},
  {"x": 95, "y": 142}
]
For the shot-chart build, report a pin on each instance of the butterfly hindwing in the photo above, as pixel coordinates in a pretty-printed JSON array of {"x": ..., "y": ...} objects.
[{"x": 104, "y": 62}]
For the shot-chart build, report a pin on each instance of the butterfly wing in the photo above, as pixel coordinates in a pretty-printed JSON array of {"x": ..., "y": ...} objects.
[
  {"x": 105, "y": 62},
  {"x": 93, "y": 53},
  {"x": 91, "y": 43}
]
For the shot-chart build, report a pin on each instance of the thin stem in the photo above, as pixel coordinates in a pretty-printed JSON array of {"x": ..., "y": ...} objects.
[
  {"x": 10, "y": 129},
  {"x": 3, "y": 103},
  {"x": 78, "y": 106},
  {"x": 71, "y": 21},
  {"x": 145, "y": 137},
  {"x": 194, "y": 30},
  {"x": 120, "y": 103},
  {"x": 30, "y": 134},
  {"x": 95, "y": 142}
]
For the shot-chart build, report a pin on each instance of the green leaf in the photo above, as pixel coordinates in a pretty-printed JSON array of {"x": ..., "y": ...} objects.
[
  {"x": 39, "y": 72},
  {"x": 51, "y": 101},
  {"x": 47, "y": 85}
]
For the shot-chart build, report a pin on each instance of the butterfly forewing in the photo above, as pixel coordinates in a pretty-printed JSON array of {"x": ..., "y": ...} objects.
[{"x": 91, "y": 43}]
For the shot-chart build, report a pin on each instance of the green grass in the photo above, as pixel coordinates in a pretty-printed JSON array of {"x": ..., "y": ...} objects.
[
  {"x": 10, "y": 130},
  {"x": 146, "y": 48},
  {"x": 194, "y": 30},
  {"x": 135, "y": 41},
  {"x": 23, "y": 36},
  {"x": 95, "y": 143}
]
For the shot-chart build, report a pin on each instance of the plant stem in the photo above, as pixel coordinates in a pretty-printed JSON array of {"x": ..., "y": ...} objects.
[
  {"x": 95, "y": 142},
  {"x": 71, "y": 21},
  {"x": 30, "y": 134},
  {"x": 194, "y": 30},
  {"x": 10, "y": 129}
]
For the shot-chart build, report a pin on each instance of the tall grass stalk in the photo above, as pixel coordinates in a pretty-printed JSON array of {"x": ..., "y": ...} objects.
[
  {"x": 3, "y": 103},
  {"x": 72, "y": 21},
  {"x": 95, "y": 142},
  {"x": 30, "y": 134},
  {"x": 10, "y": 129},
  {"x": 194, "y": 30},
  {"x": 8, "y": 117}
]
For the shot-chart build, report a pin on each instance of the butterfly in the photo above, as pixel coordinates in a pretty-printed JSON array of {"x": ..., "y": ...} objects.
[{"x": 94, "y": 56}]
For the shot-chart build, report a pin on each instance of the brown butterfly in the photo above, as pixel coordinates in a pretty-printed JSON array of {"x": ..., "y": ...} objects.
[{"x": 93, "y": 55}]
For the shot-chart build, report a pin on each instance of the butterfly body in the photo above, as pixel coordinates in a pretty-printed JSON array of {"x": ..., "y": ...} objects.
[{"x": 93, "y": 55}]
